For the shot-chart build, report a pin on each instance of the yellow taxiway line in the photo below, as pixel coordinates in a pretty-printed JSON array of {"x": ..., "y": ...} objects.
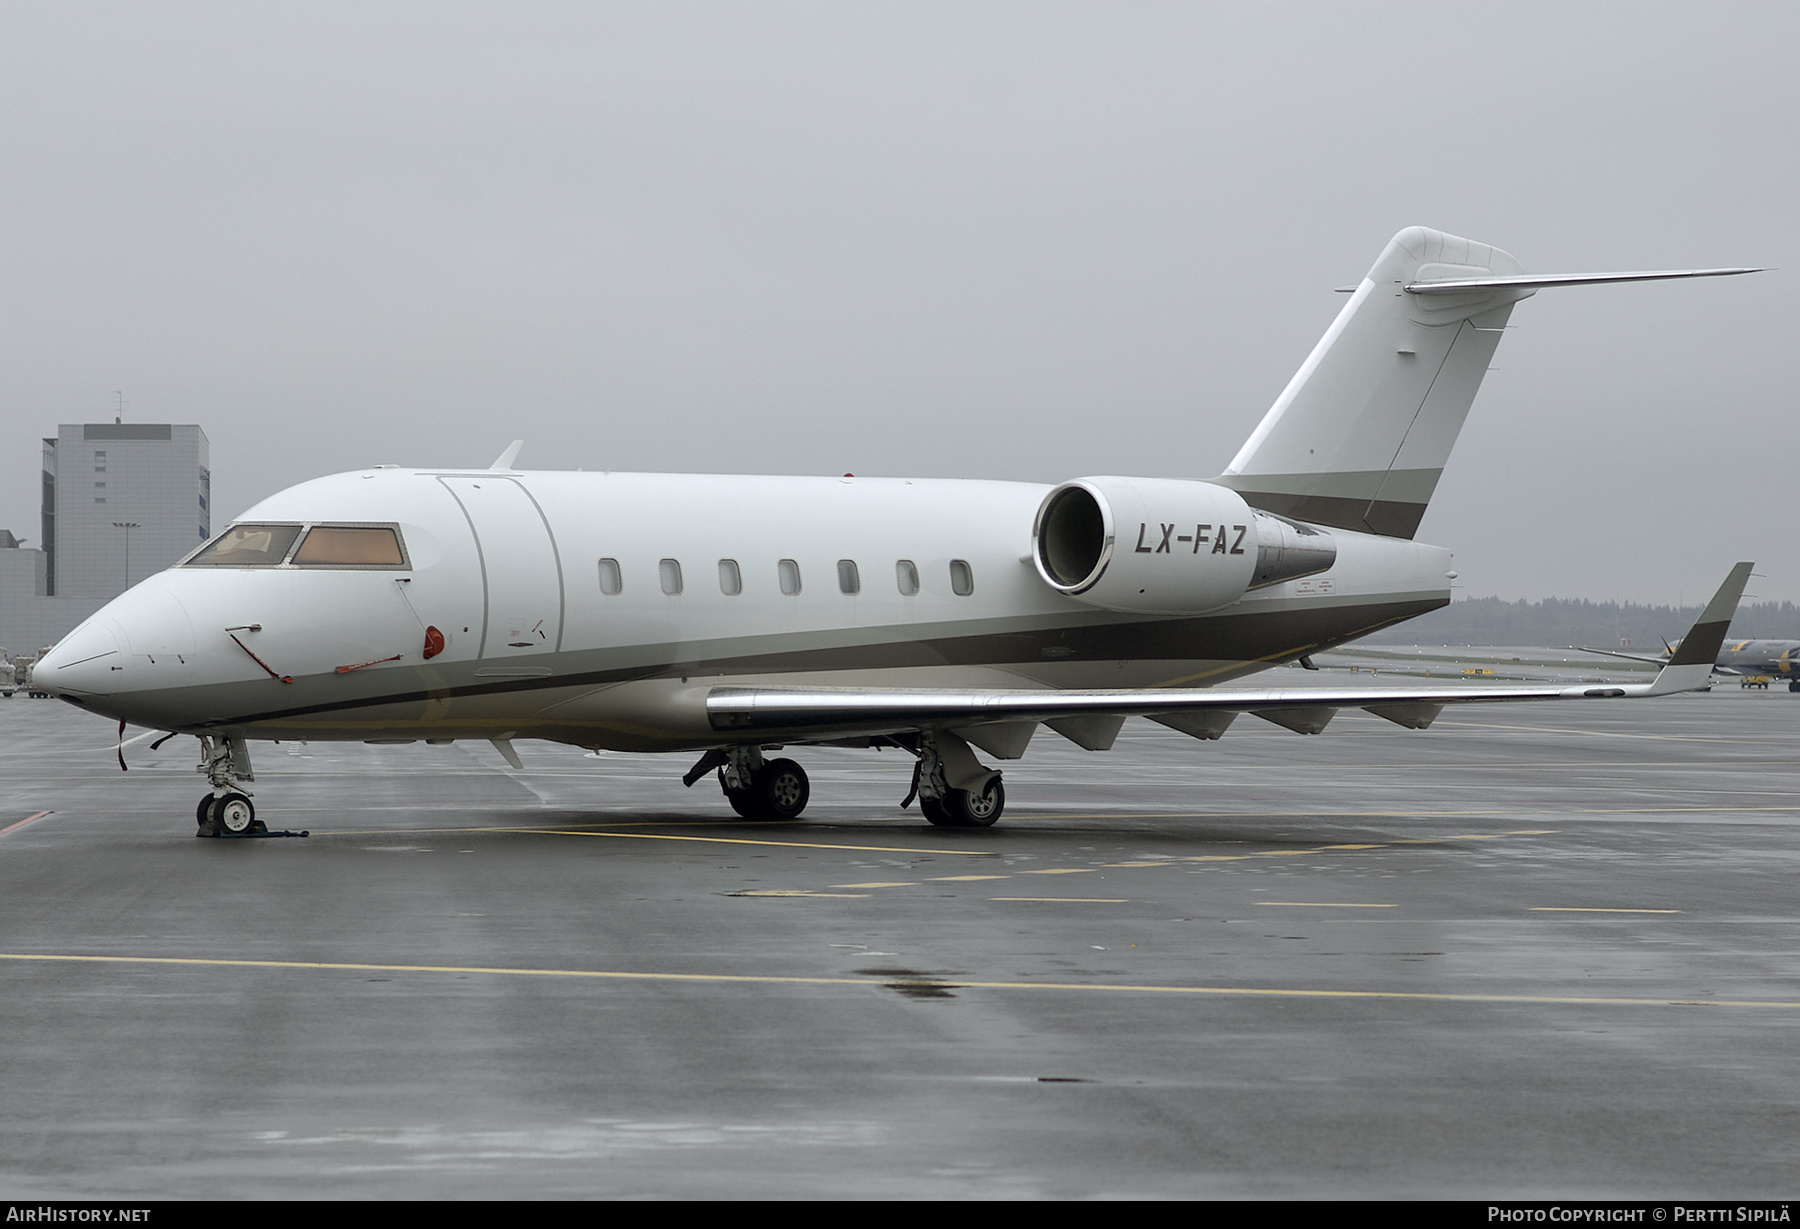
[
  {"x": 1585, "y": 909},
  {"x": 741, "y": 840},
  {"x": 650, "y": 836},
  {"x": 23, "y": 822},
  {"x": 941, "y": 983}
]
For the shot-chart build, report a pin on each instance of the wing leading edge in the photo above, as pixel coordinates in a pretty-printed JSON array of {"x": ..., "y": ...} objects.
[{"x": 828, "y": 712}]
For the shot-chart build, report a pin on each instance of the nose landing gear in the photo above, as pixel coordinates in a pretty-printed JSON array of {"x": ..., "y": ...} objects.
[
  {"x": 228, "y": 814},
  {"x": 227, "y": 811}
]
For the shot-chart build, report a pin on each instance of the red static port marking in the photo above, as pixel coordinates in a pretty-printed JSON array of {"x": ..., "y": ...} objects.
[{"x": 434, "y": 642}]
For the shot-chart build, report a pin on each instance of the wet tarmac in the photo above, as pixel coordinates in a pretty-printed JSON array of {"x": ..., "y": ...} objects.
[{"x": 1544, "y": 950}]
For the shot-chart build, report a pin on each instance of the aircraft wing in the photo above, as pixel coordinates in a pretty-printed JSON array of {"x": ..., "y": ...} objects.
[{"x": 1087, "y": 716}]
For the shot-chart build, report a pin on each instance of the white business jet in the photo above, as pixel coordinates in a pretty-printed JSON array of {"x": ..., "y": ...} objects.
[{"x": 732, "y": 616}]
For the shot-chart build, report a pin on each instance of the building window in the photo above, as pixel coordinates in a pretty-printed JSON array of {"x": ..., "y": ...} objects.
[
  {"x": 99, "y": 455},
  {"x": 849, "y": 580},
  {"x": 611, "y": 582},
  {"x": 731, "y": 580},
  {"x": 789, "y": 573},
  {"x": 669, "y": 572},
  {"x": 906, "y": 575},
  {"x": 99, "y": 469},
  {"x": 962, "y": 579},
  {"x": 100, "y": 499}
]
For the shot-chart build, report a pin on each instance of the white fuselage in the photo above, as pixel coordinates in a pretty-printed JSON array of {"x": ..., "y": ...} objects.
[{"x": 508, "y": 568}]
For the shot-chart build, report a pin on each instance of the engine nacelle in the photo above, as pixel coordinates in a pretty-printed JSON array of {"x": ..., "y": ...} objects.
[{"x": 1167, "y": 546}]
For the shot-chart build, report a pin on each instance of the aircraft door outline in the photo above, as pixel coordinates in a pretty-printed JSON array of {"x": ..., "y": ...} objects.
[{"x": 522, "y": 612}]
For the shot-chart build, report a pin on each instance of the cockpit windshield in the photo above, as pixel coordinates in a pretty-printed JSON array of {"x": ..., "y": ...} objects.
[
  {"x": 323, "y": 546},
  {"x": 247, "y": 546},
  {"x": 331, "y": 545}
]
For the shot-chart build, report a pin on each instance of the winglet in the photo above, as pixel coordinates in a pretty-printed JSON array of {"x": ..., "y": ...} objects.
[
  {"x": 505, "y": 460},
  {"x": 1690, "y": 666}
]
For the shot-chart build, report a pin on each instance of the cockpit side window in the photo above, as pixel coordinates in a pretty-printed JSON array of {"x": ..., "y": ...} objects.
[
  {"x": 350, "y": 546},
  {"x": 247, "y": 546}
]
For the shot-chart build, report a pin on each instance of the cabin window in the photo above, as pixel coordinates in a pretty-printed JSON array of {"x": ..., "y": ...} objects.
[
  {"x": 849, "y": 579},
  {"x": 731, "y": 580},
  {"x": 247, "y": 546},
  {"x": 962, "y": 578},
  {"x": 611, "y": 580},
  {"x": 669, "y": 572},
  {"x": 347, "y": 546},
  {"x": 789, "y": 573},
  {"x": 906, "y": 575}
]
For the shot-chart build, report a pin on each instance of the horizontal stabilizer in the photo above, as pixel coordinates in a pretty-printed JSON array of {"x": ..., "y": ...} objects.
[
  {"x": 1655, "y": 661},
  {"x": 1541, "y": 281}
]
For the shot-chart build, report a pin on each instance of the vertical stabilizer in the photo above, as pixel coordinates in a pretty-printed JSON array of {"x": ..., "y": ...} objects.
[{"x": 1360, "y": 435}]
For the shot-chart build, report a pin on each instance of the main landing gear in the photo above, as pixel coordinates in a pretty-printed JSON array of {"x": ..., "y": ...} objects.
[
  {"x": 961, "y": 808},
  {"x": 953, "y": 788},
  {"x": 777, "y": 790},
  {"x": 756, "y": 788},
  {"x": 227, "y": 811}
]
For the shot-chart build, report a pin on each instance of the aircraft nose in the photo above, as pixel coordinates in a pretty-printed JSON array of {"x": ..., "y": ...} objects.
[{"x": 85, "y": 662}]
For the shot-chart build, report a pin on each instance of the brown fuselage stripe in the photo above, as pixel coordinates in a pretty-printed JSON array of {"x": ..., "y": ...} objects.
[{"x": 1241, "y": 637}]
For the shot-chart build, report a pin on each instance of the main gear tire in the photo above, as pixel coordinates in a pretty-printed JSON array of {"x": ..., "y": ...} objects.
[
  {"x": 969, "y": 809},
  {"x": 937, "y": 814},
  {"x": 780, "y": 790}
]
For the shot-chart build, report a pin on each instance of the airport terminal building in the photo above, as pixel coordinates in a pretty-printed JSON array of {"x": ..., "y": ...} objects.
[{"x": 120, "y": 501}]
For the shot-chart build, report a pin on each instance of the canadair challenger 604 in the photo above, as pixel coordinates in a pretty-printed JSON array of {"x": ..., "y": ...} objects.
[{"x": 728, "y": 617}]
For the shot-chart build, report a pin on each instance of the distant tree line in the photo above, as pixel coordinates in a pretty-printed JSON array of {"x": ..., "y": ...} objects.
[{"x": 1560, "y": 622}]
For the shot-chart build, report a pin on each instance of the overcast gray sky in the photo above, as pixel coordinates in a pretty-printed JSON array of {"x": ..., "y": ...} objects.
[{"x": 1023, "y": 241}]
